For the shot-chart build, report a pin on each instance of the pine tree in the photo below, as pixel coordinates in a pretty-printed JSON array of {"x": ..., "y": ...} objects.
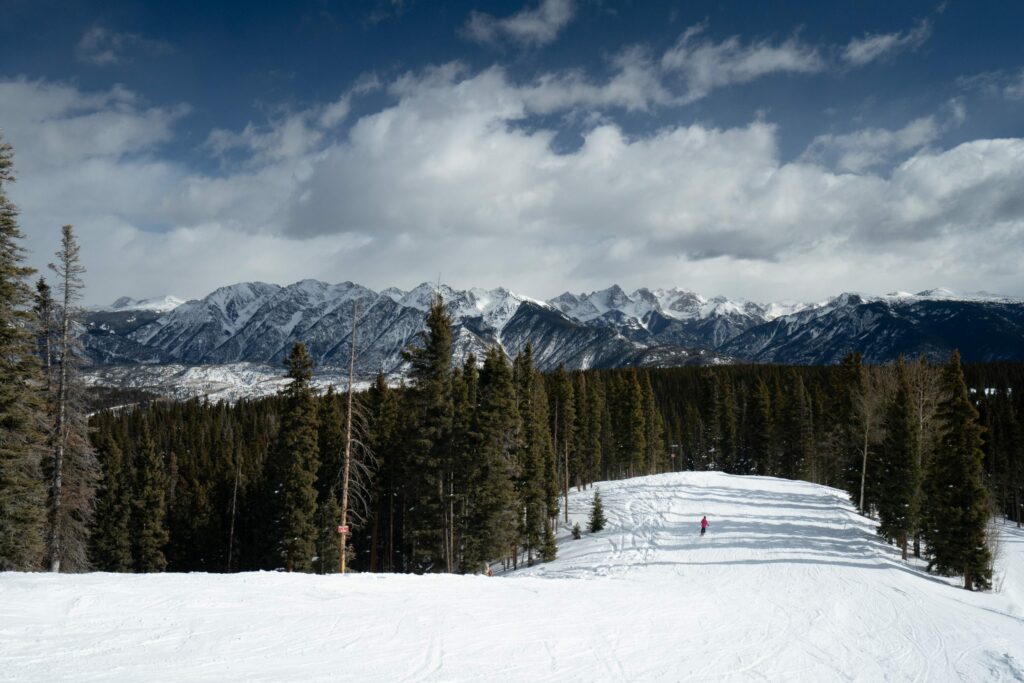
[
  {"x": 761, "y": 441},
  {"x": 654, "y": 428},
  {"x": 330, "y": 449},
  {"x": 148, "y": 521},
  {"x": 549, "y": 551},
  {"x": 956, "y": 506},
  {"x": 537, "y": 484},
  {"x": 493, "y": 507},
  {"x": 897, "y": 502},
  {"x": 634, "y": 432},
  {"x": 429, "y": 406},
  {"x": 22, "y": 408},
  {"x": 294, "y": 467},
  {"x": 111, "y": 541},
  {"x": 597, "y": 520},
  {"x": 74, "y": 472}
]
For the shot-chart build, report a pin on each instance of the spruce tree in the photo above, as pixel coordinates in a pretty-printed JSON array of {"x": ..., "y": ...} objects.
[
  {"x": 330, "y": 449},
  {"x": 493, "y": 508},
  {"x": 22, "y": 408},
  {"x": 429, "y": 406},
  {"x": 537, "y": 484},
  {"x": 761, "y": 442},
  {"x": 956, "y": 506},
  {"x": 597, "y": 520},
  {"x": 634, "y": 432},
  {"x": 897, "y": 502},
  {"x": 654, "y": 428},
  {"x": 111, "y": 541},
  {"x": 549, "y": 550},
  {"x": 294, "y": 466},
  {"x": 148, "y": 523}
]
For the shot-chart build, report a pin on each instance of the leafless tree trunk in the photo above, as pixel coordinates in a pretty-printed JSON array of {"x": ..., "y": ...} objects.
[
  {"x": 348, "y": 443},
  {"x": 234, "y": 507},
  {"x": 74, "y": 469}
]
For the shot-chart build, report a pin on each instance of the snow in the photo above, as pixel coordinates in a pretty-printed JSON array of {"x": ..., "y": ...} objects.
[
  {"x": 163, "y": 304},
  {"x": 228, "y": 382},
  {"x": 789, "y": 585}
]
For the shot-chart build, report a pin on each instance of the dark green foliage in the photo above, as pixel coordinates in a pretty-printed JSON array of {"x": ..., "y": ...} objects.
[
  {"x": 293, "y": 468},
  {"x": 577, "y": 534},
  {"x": 148, "y": 522},
  {"x": 493, "y": 528},
  {"x": 537, "y": 484},
  {"x": 22, "y": 416},
  {"x": 429, "y": 413},
  {"x": 549, "y": 551},
  {"x": 111, "y": 548},
  {"x": 897, "y": 466},
  {"x": 204, "y": 446},
  {"x": 956, "y": 506},
  {"x": 597, "y": 519}
]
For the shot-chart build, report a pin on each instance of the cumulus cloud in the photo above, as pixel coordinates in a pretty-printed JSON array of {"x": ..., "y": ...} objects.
[
  {"x": 102, "y": 46},
  {"x": 444, "y": 179},
  {"x": 528, "y": 27},
  {"x": 705, "y": 65},
  {"x": 880, "y": 46}
]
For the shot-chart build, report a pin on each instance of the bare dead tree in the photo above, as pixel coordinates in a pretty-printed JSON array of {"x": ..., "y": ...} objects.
[{"x": 74, "y": 470}]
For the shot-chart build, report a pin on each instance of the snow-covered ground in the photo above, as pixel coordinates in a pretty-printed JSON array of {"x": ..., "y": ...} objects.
[{"x": 788, "y": 585}]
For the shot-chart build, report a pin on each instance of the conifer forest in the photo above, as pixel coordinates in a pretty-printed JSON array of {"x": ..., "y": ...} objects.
[{"x": 459, "y": 467}]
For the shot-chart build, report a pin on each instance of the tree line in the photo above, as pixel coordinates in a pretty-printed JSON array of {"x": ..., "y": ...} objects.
[{"x": 464, "y": 465}]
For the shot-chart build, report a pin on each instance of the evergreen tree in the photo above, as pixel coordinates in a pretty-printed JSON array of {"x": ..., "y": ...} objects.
[
  {"x": 111, "y": 542},
  {"x": 897, "y": 503},
  {"x": 654, "y": 428},
  {"x": 429, "y": 405},
  {"x": 956, "y": 506},
  {"x": 493, "y": 505},
  {"x": 330, "y": 451},
  {"x": 22, "y": 408},
  {"x": 537, "y": 483},
  {"x": 761, "y": 430},
  {"x": 74, "y": 472},
  {"x": 634, "y": 433},
  {"x": 148, "y": 522},
  {"x": 549, "y": 550},
  {"x": 293, "y": 468},
  {"x": 597, "y": 520},
  {"x": 563, "y": 431}
]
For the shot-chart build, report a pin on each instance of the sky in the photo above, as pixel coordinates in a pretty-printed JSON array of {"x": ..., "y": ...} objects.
[{"x": 768, "y": 151}]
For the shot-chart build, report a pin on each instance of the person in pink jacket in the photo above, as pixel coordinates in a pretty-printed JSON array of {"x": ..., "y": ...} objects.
[{"x": 703, "y": 524}]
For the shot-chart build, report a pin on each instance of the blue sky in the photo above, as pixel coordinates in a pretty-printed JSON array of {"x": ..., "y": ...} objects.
[{"x": 758, "y": 150}]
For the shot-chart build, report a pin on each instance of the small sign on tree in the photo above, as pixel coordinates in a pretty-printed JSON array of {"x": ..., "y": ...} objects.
[{"x": 343, "y": 529}]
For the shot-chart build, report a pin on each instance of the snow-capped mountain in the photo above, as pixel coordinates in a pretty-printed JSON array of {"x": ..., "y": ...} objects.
[
  {"x": 257, "y": 323},
  {"x": 932, "y": 323}
]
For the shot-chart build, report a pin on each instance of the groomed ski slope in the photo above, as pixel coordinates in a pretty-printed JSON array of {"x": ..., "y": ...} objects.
[{"x": 788, "y": 585}]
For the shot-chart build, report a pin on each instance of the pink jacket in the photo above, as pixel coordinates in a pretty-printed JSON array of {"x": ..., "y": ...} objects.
[{"x": 704, "y": 523}]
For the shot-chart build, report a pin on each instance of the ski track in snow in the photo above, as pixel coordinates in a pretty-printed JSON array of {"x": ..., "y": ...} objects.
[{"x": 789, "y": 584}]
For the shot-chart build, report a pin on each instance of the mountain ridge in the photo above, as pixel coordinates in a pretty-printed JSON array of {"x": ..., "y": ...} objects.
[{"x": 257, "y": 323}]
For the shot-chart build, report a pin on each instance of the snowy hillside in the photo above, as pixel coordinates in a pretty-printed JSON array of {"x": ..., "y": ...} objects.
[{"x": 788, "y": 585}]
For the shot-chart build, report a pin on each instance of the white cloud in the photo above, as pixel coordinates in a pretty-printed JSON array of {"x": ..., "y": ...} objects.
[
  {"x": 880, "y": 46},
  {"x": 102, "y": 46},
  {"x": 705, "y": 65},
  {"x": 445, "y": 180},
  {"x": 528, "y": 27},
  {"x": 866, "y": 149}
]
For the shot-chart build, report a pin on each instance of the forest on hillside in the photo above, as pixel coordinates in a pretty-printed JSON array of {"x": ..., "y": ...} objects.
[
  {"x": 461, "y": 466},
  {"x": 466, "y": 465}
]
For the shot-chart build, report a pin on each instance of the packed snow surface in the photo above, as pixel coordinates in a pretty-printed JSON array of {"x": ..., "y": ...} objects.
[{"x": 788, "y": 585}]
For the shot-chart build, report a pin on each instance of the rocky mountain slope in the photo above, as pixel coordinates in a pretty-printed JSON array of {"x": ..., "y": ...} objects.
[{"x": 256, "y": 324}]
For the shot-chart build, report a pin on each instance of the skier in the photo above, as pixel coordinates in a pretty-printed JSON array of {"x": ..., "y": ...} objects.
[{"x": 703, "y": 524}]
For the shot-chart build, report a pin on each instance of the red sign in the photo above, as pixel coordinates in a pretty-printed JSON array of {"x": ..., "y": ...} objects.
[{"x": 343, "y": 529}]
